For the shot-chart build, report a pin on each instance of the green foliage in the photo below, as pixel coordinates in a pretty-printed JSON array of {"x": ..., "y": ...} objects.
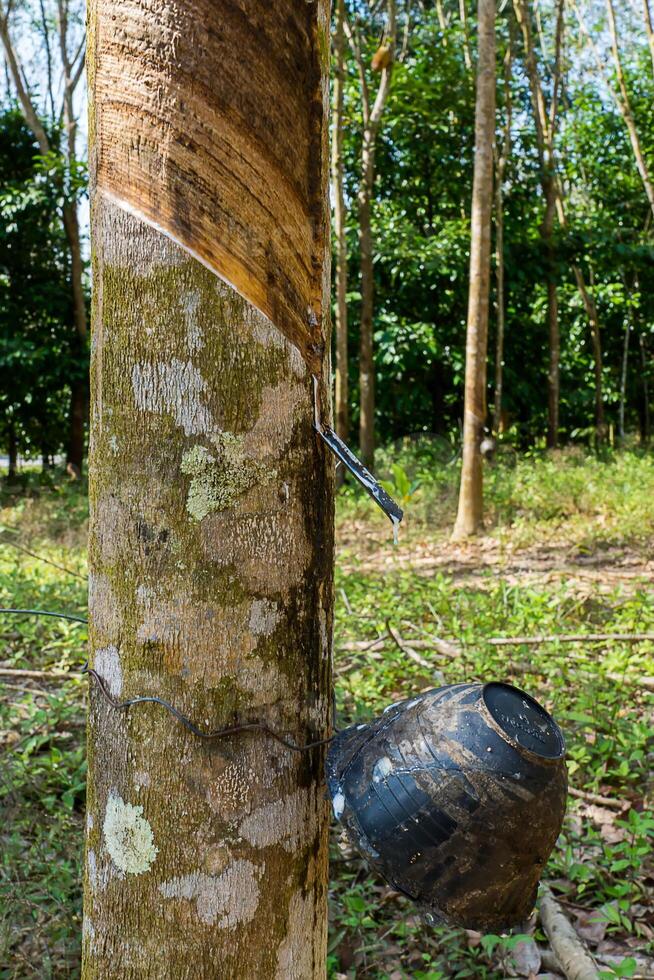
[
  {"x": 39, "y": 353},
  {"x": 424, "y": 166},
  {"x": 545, "y": 506}
]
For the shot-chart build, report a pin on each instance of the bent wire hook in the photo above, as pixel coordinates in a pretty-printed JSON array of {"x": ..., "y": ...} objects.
[{"x": 363, "y": 476}]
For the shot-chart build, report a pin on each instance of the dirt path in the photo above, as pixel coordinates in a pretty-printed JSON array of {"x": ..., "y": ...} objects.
[{"x": 601, "y": 570}]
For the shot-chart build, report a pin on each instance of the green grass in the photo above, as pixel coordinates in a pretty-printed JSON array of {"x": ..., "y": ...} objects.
[{"x": 573, "y": 506}]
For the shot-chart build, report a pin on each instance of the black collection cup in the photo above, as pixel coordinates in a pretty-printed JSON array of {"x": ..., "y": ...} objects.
[{"x": 456, "y": 797}]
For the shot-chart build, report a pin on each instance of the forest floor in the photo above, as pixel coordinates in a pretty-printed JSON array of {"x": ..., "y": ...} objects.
[{"x": 567, "y": 552}]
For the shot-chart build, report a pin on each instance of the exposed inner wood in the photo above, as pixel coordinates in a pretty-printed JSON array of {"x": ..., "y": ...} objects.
[{"x": 223, "y": 152}]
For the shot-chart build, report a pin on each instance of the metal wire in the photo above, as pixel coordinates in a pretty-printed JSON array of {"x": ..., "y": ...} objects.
[
  {"x": 175, "y": 712},
  {"x": 44, "y": 612},
  {"x": 47, "y": 561}
]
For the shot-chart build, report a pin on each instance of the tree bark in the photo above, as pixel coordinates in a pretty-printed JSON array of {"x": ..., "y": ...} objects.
[
  {"x": 211, "y": 497},
  {"x": 470, "y": 512},
  {"x": 342, "y": 408}
]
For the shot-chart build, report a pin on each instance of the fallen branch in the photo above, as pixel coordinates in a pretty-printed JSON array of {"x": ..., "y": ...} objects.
[
  {"x": 510, "y": 641},
  {"x": 605, "y": 801},
  {"x": 570, "y": 951},
  {"x": 361, "y": 646},
  {"x": 647, "y": 682},
  {"x": 36, "y": 674},
  {"x": 405, "y": 648}
]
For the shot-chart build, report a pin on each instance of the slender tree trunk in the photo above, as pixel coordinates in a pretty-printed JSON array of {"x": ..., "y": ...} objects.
[
  {"x": 645, "y": 415},
  {"x": 76, "y": 423},
  {"x": 500, "y": 302},
  {"x": 366, "y": 346},
  {"x": 624, "y": 105},
  {"x": 649, "y": 30},
  {"x": 500, "y": 170},
  {"x": 593, "y": 319},
  {"x": 442, "y": 20},
  {"x": 470, "y": 513},
  {"x": 342, "y": 408},
  {"x": 372, "y": 117},
  {"x": 545, "y": 122},
  {"x": 554, "y": 337},
  {"x": 211, "y": 497},
  {"x": 467, "y": 52},
  {"x": 623, "y": 382}
]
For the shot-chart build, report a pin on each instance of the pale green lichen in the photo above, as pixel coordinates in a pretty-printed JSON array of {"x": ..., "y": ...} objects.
[
  {"x": 128, "y": 836},
  {"x": 218, "y": 480}
]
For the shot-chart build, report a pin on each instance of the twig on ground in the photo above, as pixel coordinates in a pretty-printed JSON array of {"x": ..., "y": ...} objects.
[
  {"x": 37, "y": 674},
  {"x": 569, "y": 949},
  {"x": 405, "y": 648},
  {"x": 647, "y": 682},
  {"x": 510, "y": 641},
  {"x": 606, "y": 801},
  {"x": 361, "y": 646}
]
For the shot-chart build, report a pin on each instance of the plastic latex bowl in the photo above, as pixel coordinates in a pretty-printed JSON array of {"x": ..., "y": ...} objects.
[{"x": 456, "y": 798}]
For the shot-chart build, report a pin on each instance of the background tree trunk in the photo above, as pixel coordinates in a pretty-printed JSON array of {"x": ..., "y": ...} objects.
[
  {"x": 623, "y": 382},
  {"x": 372, "y": 116},
  {"x": 342, "y": 407},
  {"x": 553, "y": 332},
  {"x": 644, "y": 413},
  {"x": 545, "y": 122},
  {"x": 470, "y": 513},
  {"x": 593, "y": 319},
  {"x": 211, "y": 497},
  {"x": 501, "y": 160}
]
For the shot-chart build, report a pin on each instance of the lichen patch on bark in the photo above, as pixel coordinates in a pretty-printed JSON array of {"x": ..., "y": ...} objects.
[
  {"x": 225, "y": 900},
  {"x": 128, "y": 836},
  {"x": 218, "y": 479}
]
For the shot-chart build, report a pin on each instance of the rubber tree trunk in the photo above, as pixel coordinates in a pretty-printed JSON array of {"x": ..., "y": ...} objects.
[
  {"x": 211, "y": 542},
  {"x": 623, "y": 382},
  {"x": 372, "y": 123},
  {"x": 593, "y": 319},
  {"x": 470, "y": 512},
  {"x": 342, "y": 408},
  {"x": 553, "y": 330},
  {"x": 79, "y": 388},
  {"x": 501, "y": 160},
  {"x": 366, "y": 344},
  {"x": 645, "y": 412}
]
